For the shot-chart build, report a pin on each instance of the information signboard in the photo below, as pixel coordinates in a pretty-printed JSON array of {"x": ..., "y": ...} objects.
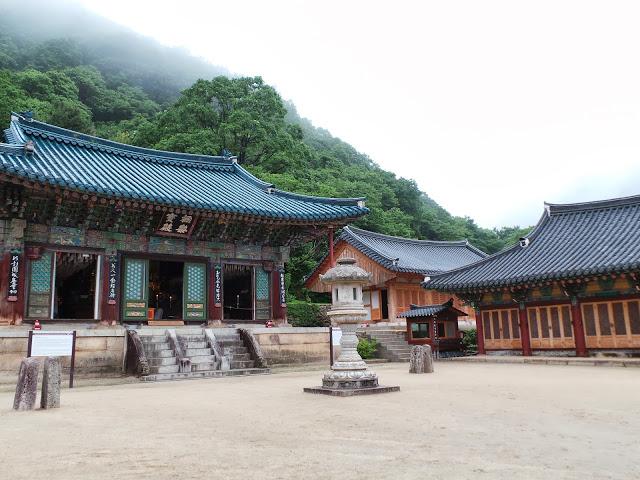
[{"x": 54, "y": 344}]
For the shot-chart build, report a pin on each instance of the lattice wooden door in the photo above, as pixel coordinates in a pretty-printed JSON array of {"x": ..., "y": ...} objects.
[
  {"x": 195, "y": 291},
  {"x": 135, "y": 289}
]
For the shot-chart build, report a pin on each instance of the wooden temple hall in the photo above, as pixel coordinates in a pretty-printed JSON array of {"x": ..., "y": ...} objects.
[
  {"x": 92, "y": 229},
  {"x": 398, "y": 266},
  {"x": 571, "y": 287}
]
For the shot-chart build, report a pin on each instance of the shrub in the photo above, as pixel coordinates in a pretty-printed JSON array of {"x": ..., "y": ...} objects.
[
  {"x": 367, "y": 348},
  {"x": 307, "y": 314},
  {"x": 470, "y": 341}
]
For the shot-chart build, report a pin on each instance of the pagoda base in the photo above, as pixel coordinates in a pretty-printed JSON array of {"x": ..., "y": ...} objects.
[{"x": 350, "y": 392}]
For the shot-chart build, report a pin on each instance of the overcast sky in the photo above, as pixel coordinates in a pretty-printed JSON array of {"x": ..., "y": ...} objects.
[{"x": 491, "y": 106}]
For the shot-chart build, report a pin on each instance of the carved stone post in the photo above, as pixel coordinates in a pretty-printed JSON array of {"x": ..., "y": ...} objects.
[
  {"x": 27, "y": 387},
  {"x": 50, "y": 396}
]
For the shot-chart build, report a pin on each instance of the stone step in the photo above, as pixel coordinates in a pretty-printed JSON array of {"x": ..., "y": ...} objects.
[
  {"x": 165, "y": 369},
  {"x": 153, "y": 338},
  {"x": 191, "y": 338},
  {"x": 160, "y": 361},
  {"x": 148, "y": 347},
  {"x": 228, "y": 339},
  {"x": 202, "y": 359},
  {"x": 190, "y": 345},
  {"x": 199, "y": 367},
  {"x": 159, "y": 353},
  {"x": 239, "y": 356},
  {"x": 205, "y": 374},
  {"x": 234, "y": 350},
  {"x": 241, "y": 364},
  {"x": 194, "y": 352}
]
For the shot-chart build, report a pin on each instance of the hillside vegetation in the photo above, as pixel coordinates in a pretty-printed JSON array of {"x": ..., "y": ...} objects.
[{"x": 115, "y": 84}]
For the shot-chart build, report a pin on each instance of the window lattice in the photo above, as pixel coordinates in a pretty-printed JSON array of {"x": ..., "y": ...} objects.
[
  {"x": 262, "y": 284},
  {"x": 196, "y": 283},
  {"x": 41, "y": 274}
]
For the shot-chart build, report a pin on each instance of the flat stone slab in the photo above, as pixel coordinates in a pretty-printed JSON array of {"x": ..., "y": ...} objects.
[
  {"x": 542, "y": 360},
  {"x": 350, "y": 392}
]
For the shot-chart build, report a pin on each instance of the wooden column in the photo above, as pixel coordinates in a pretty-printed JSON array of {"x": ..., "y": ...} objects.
[
  {"x": 276, "y": 309},
  {"x": 524, "y": 329},
  {"x": 578, "y": 328},
  {"x": 332, "y": 262},
  {"x": 479, "y": 332}
]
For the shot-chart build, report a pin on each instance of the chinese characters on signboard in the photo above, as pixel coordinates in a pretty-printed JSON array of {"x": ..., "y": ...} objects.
[
  {"x": 176, "y": 224},
  {"x": 113, "y": 280},
  {"x": 217, "y": 285},
  {"x": 14, "y": 277},
  {"x": 283, "y": 289}
]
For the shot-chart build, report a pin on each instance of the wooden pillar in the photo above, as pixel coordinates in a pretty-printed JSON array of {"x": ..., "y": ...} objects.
[
  {"x": 480, "y": 332},
  {"x": 524, "y": 329},
  {"x": 578, "y": 328},
  {"x": 332, "y": 262}
]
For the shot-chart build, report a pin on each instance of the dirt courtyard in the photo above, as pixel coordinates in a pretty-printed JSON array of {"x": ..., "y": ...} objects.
[{"x": 465, "y": 421}]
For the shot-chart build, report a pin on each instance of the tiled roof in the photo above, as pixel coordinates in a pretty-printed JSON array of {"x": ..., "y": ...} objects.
[
  {"x": 88, "y": 164},
  {"x": 412, "y": 256},
  {"x": 570, "y": 241},
  {"x": 430, "y": 310}
]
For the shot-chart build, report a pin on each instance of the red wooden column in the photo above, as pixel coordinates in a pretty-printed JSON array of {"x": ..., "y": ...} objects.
[
  {"x": 578, "y": 328},
  {"x": 332, "y": 262},
  {"x": 524, "y": 329},
  {"x": 480, "y": 332}
]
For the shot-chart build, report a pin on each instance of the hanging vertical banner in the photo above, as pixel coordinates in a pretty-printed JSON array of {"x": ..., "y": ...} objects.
[
  {"x": 217, "y": 286},
  {"x": 14, "y": 277},
  {"x": 283, "y": 288},
  {"x": 113, "y": 280}
]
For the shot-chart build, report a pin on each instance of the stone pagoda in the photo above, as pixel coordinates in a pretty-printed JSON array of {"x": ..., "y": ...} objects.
[{"x": 349, "y": 374}]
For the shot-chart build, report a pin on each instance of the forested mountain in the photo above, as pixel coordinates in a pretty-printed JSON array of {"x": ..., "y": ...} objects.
[{"x": 103, "y": 79}]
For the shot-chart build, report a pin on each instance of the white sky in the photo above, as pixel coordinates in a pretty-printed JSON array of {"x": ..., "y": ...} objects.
[{"x": 491, "y": 106}]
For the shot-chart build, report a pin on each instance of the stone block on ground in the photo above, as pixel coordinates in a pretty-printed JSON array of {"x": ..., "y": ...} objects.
[
  {"x": 421, "y": 360},
  {"x": 27, "y": 387},
  {"x": 51, "y": 381}
]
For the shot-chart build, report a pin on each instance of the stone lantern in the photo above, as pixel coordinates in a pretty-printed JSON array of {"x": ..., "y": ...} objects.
[{"x": 349, "y": 374}]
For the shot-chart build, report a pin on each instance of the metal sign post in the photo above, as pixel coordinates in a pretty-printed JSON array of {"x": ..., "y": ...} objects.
[{"x": 54, "y": 344}]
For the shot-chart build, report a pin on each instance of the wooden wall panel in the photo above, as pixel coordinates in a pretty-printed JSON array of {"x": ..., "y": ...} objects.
[
  {"x": 501, "y": 329},
  {"x": 550, "y": 327},
  {"x": 612, "y": 324}
]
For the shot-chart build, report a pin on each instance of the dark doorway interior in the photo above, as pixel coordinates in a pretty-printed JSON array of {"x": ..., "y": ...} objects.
[
  {"x": 75, "y": 285},
  {"x": 238, "y": 292},
  {"x": 165, "y": 289},
  {"x": 385, "y": 304}
]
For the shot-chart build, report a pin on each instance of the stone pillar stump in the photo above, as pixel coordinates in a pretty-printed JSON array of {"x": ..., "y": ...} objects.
[
  {"x": 51, "y": 381},
  {"x": 27, "y": 387}
]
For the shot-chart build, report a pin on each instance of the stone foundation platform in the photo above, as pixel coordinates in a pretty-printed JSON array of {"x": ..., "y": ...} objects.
[{"x": 350, "y": 392}]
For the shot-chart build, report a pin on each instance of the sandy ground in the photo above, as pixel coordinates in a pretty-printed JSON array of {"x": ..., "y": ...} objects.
[{"x": 479, "y": 421}]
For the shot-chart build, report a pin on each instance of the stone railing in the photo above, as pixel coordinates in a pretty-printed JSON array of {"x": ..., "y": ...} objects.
[
  {"x": 253, "y": 346},
  {"x": 136, "y": 360},
  {"x": 222, "y": 361},
  {"x": 184, "y": 362}
]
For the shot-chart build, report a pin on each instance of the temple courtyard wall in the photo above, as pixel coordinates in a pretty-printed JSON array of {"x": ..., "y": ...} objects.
[
  {"x": 465, "y": 421},
  {"x": 101, "y": 351}
]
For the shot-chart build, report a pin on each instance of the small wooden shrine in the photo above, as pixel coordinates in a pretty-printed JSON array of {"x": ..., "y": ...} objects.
[
  {"x": 572, "y": 286},
  {"x": 96, "y": 230},
  {"x": 435, "y": 325},
  {"x": 398, "y": 267}
]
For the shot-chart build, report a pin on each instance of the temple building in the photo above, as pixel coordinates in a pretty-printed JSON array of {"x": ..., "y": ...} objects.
[
  {"x": 571, "y": 287},
  {"x": 95, "y": 230},
  {"x": 398, "y": 266}
]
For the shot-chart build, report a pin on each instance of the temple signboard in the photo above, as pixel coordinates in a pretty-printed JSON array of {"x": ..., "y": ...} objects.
[
  {"x": 113, "y": 280},
  {"x": 176, "y": 225},
  {"x": 217, "y": 285},
  {"x": 14, "y": 277},
  {"x": 283, "y": 289}
]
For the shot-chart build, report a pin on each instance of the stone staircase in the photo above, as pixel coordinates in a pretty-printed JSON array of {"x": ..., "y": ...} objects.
[
  {"x": 392, "y": 343},
  {"x": 164, "y": 365},
  {"x": 233, "y": 347}
]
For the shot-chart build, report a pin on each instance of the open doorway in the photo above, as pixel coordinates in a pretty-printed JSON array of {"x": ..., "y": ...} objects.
[
  {"x": 75, "y": 285},
  {"x": 165, "y": 289},
  {"x": 238, "y": 292}
]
